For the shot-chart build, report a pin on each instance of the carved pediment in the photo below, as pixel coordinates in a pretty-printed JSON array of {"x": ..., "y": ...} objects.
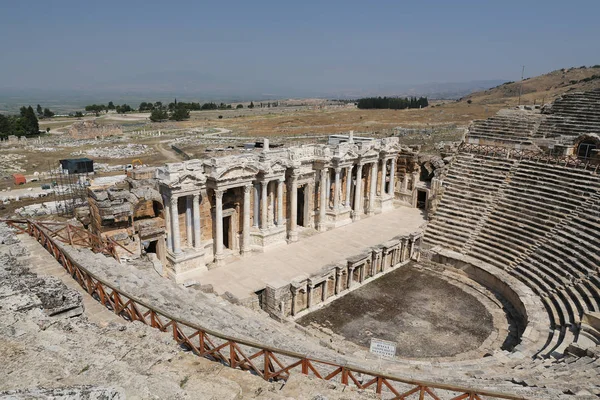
[
  {"x": 237, "y": 172},
  {"x": 187, "y": 181}
]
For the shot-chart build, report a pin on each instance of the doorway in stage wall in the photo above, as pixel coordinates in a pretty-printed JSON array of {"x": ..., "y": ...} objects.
[
  {"x": 227, "y": 232},
  {"x": 421, "y": 199},
  {"x": 300, "y": 207}
]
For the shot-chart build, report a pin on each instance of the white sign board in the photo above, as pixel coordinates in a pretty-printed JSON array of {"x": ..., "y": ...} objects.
[{"x": 383, "y": 348}]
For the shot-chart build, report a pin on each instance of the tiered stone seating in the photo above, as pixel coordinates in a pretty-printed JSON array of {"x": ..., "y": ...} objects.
[
  {"x": 535, "y": 201},
  {"x": 573, "y": 114},
  {"x": 508, "y": 126},
  {"x": 471, "y": 186},
  {"x": 539, "y": 222}
]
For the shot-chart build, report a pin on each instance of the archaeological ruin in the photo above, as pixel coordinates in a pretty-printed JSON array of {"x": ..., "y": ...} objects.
[
  {"x": 91, "y": 129},
  {"x": 287, "y": 260}
]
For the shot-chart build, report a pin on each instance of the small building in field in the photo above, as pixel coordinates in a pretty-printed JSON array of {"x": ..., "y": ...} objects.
[
  {"x": 77, "y": 165},
  {"x": 19, "y": 179}
]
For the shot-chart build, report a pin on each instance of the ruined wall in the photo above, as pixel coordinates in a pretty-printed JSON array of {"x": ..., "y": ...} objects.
[
  {"x": 299, "y": 297},
  {"x": 91, "y": 129}
]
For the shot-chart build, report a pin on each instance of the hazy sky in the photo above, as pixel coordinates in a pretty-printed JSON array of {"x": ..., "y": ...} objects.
[{"x": 282, "y": 45}]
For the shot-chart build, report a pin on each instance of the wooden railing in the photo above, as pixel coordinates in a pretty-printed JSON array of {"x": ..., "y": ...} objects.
[
  {"x": 269, "y": 363},
  {"x": 69, "y": 234},
  {"x": 530, "y": 155}
]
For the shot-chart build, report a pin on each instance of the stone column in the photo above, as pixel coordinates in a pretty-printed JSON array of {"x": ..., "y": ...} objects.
[
  {"x": 324, "y": 290},
  {"x": 392, "y": 192},
  {"x": 383, "y": 173},
  {"x": 338, "y": 281},
  {"x": 256, "y": 208},
  {"x": 337, "y": 192},
  {"x": 350, "y": 276},
  {"x": 348, "y": 185},
  {"x": 271, "y": 196},
  {"x": 218, "y": 224},
  {"x": 384, "y": 258},
  {"x": 415, "y": 179},
  {"x": 405, "y": 182},
  {"x": 246, "y": 221},
  {"x": 373, "y": 189},
  {"x": 263, "y": 205},
  {"x": 328, "y": 188},
  {"x": 358, "y": 194},
  {"x": 280, "y": 202},
  {"x": 175, "y": 226},
  {"x": 293, "y": 198},
  {"x": 197, "y": 232},
  {"x": 322, "y": 199},
  {"x": 189, "y": 227},
  {"x": 294, "y": 295},
  {"x": 310, "y": 288},
  {"x": 167, "y": 215}
]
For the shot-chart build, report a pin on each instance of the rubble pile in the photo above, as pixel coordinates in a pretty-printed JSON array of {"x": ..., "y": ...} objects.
[
  {"x": 11, "y": 163},
  {"x": 119, "y": 151},
  {"x": 88, "y": 129}
]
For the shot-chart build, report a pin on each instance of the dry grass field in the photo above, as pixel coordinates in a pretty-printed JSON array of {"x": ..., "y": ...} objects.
[{"x": 297, "y": 121}]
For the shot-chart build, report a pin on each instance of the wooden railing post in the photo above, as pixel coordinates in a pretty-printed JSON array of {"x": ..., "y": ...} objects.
[{"x": 266, "y": 367}]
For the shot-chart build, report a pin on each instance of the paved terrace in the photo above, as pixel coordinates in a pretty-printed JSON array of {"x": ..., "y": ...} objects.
[{"x": 283, "y": 264}]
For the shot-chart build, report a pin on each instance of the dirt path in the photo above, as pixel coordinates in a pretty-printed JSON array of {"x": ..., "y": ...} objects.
[{"x": 165, "y": 150}]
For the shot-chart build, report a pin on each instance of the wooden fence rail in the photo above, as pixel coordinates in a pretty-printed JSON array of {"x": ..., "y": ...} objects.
[{"x": 269, "y": 363}]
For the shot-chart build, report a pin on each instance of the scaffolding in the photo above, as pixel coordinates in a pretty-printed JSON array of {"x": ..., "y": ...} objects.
[{"x": 69, "y": 190}]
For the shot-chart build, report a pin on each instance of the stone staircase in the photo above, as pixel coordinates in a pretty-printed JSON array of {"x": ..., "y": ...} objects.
[{"x": 466, "y": 249}]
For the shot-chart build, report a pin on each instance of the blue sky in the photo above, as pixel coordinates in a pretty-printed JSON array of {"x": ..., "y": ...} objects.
[{"x": 282, "y": 46}]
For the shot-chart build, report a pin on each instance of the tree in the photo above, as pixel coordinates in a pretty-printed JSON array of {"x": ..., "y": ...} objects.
[
  {"x": 251, "y": 105},
  {"x": 158, "y": 115},
  {"x": 239, "y": 106},
  {"x": 78, "y": 114},
  {"x": 39, "y": 110},
  {"x": 124, "y": 109},
  {"x": 5, "y": 126},
  {"x": 48, "y": 113},
  {"x": 95, "y": 108},
  {"x": 179, "y": 114},
  {"x": 111, "y": 105},
  {"x": 27, "y": 124}
]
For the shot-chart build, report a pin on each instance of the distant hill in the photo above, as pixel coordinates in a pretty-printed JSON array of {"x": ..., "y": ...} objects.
[{"x": 540, "y": 89}]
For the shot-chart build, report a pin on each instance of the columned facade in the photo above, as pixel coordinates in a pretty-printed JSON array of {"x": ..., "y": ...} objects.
[{"x": 221, "y": 207}]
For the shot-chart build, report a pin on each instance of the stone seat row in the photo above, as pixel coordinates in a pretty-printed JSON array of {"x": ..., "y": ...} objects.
[
  {"x": 497, "y": 137},
  {"x": 487, "y": 167},
  {"x": 589, "y": 114},
  {"x": 539, "y": 171},
  {"x": 501, "y": 129},
  {"x": 539, "y": 179}
]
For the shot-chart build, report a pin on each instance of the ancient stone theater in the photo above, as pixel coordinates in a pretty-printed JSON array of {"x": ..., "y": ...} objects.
[{"x": 470, "y": 275}]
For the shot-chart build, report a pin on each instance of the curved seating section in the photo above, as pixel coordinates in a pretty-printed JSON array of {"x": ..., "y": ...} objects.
[
  {"x": 508, "y": 126},
  {"x": 542, "y": 225},
  {"x": 470, "y": 188},
  {"x": 572, "y": 114}
]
